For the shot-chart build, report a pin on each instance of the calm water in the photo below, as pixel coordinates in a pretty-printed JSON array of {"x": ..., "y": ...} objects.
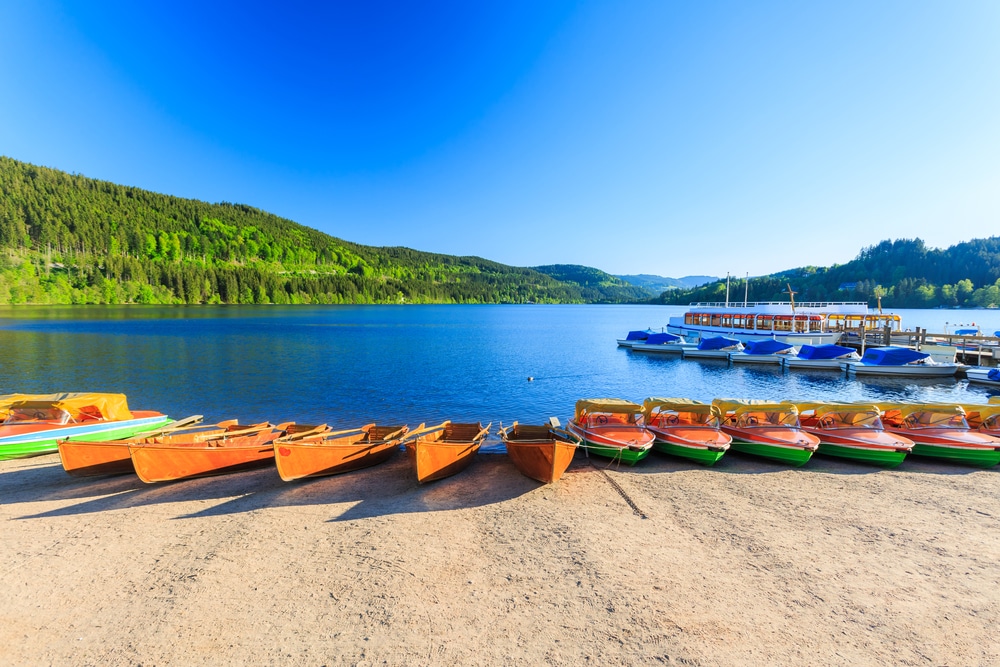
[{"x": 346, "y": 365}]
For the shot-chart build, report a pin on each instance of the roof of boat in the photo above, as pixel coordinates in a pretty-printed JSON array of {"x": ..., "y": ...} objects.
[
  {"x": 738, "y": 405},
  {"x": 983, "y": 410},
  {"x": 827, "y": 407},
  {"x": 994, "y": 399},
  {"x": 113, "y": 407},
  {"x": 678, "y": 404},
  {"x": 606, "y": 405},
  {"x": 910, "y": 408}
]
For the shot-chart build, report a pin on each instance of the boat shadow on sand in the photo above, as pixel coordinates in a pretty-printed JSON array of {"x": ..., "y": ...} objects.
[{"x": 389, "y": 488}]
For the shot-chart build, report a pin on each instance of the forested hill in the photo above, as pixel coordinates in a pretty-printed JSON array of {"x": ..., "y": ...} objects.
[
  {"x": 593, "y": 283},
  {"x": 70, "y": 239},
  {"x": 905, "y": 272}
]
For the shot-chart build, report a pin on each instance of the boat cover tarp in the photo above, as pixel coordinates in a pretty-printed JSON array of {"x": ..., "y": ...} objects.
[
  {"x": 892, "y": 356},
  {"x": 738, "y": 405},
  {"x": 717, "y": 343},
  {"x": 679, "y": 405},
  {"x": 661, "y": 338},
  {"x": 637, "y": 335},
  {"x": 994, "y": 374},
  {"x": 113, "y": 407},
  {"x": 966, "y": 332},
  {"x": 823, "y": 351},
  {"x": 767, "y": 346},
  {"x": 612, "y": 405}
]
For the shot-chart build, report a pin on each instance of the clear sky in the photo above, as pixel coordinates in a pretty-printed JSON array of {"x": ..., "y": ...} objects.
[{"x": 659, "y": 136}]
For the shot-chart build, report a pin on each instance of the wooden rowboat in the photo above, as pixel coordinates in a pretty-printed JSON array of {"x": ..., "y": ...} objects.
[
  {"x": 176, "y": 457},
  {"x": 540, "y": 452},
  {"x": 440, "y": 451},
  {"x": 86, "y": 458},
  {"x": 334, "y": 452}
]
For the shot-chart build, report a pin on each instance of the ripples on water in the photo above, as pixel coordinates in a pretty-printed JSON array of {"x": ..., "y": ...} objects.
[{"x": 347, "y": 365}]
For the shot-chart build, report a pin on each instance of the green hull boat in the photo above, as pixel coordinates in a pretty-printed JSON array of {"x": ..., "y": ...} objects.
[
  {"x": 886, "y": 458},
  {"x": 627, "y": 456},
  {"x": 795, "y": 456},
  {"x": 40, "y": 442},
  {"x": 700, "y": 455},
  {"x": 979, "y": 457}
]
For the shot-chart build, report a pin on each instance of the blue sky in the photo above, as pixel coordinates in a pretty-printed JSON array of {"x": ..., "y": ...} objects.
[{"x": 662, "y": 137}]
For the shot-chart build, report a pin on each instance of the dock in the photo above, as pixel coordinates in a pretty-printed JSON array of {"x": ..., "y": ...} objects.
[{"x": 976, "y": 350}]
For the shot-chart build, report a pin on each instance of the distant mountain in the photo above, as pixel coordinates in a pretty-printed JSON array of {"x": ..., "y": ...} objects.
[
  {"x": 596, "y": 286},
  {"x": 660, "y": 284}
]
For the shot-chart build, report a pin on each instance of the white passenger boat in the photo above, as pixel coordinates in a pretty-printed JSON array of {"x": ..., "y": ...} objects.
[
  {"x": 663, "y": 343},
  {"x": 717, "y": 347},
  {"x": 820, "y": 357},
  {"x": 768, "y": 351},
  {"x": 817, "y": 323},
  {"x": 899, "y": 361}
]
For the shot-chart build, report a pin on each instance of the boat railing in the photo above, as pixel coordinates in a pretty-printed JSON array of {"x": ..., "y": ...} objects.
[{"x": 754, "y": 304}]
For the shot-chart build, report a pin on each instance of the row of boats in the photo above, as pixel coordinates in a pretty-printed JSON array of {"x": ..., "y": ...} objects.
[
  {"x": 875, "y": 361},
  {"x": 616, "y": 429}
]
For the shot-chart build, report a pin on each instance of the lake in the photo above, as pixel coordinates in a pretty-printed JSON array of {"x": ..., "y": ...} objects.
[{"x": 348, "y": 365}]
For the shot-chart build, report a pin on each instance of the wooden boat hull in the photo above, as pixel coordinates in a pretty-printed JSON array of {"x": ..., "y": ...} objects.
[
  {"x": 445, "y": 451},
  {"x": 155, "y": 462},
  {"x": 296, "y": 460},
  {"x": 543, "y": 458},
  {"x": 627, "y": 444},
  {"x": 683, "y": 442},
  {"x": 23, "y": 440},
  {"x": 86, "y": 459}
]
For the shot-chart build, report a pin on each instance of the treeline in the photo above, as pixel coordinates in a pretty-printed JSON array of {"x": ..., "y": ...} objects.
[
  {"x": 65, "y": 238},
  {"x": 904, "y": 273}
]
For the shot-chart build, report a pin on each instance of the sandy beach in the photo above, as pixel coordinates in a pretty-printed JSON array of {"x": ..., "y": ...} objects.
[{"x": 746, "y": 563}]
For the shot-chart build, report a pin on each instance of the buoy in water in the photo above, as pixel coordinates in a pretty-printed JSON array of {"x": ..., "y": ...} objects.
[{"x": 531, "y": 379}]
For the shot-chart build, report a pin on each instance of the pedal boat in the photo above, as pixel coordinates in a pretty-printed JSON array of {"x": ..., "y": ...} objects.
[
  {"x": 88, "y": 458},
  {"x": 686, "y": 428},
  {"x": 323, "y": 452},
  {"x": 33, "y": 424},
  {"x": 853, "y": 431},
  {"x": 176, "y": 457},
  {"x": 540, "y": 452},
  {"x": 612, "y": 428},
  {"x": 766, "y": 429},
  {"x": 941, "y": 431},
  {"x": 984, "y": 418},
  {"x": 441, "y": 451}
]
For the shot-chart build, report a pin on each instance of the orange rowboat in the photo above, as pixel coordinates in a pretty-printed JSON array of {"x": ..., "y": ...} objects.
[
  {"x": 332, "y": 453},
  {"x": 84, "y": 458},
  {"x": 539, "y": 452},
  {"x": 177, "y": 457},
  {"x": 440, "y": 451}
]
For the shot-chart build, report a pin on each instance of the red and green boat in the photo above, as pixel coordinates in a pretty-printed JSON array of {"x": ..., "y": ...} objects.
[
  {"x": 767, "y": 429},
  {"x": 686, "y": 428},
  {"x": 853, "y": 431},
  {"x": 612, "y": 428},
  {"x": 33, "y": 424},
  {"x": 940, "y": 431}
]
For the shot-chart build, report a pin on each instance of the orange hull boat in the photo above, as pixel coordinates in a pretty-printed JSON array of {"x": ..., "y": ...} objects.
[
  {"x": 539, "y": 452},
  {"x": 185, "y": 456},
  {"x": 333, "y": 453},
  {"x": 443, "y": 450}
]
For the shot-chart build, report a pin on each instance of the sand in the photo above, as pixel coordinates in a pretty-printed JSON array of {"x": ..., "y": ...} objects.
[{"x": 747, "y": 563}]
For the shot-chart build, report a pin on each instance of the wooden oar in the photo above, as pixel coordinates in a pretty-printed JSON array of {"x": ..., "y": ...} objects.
[
  {"x": 422, "y": 430},
  {"x": 321, "y": 429},
  {"x": 483, "y": 433},
  {"x": 178, "y": 425},
  {"x": 398, "y": 433}
]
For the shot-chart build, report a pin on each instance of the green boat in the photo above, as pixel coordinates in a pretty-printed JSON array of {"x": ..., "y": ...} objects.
[
  {"x": 940, "y": 431},
  {"x": 35, "y": 423},
  {"x": 767, "y": 429},
  {"x": 853, "y": 431},
  {"x": 686, "y": 428},
  {"x": 612, "y": 428}
]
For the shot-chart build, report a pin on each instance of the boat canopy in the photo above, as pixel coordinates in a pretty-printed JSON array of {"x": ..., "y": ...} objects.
[
  {"x": 637, "y": 335},
  {"x": 717, "y": 343},
  {"x": 110, "y": 407},
  {"x": 738, "y": 405},
  {"x": 906, "y": 409},
  {"x": 612, "y": 405},
  {"x": 661, "y": 338},
  {"x": 823, "y": 351},
  {"x": 892, "y": 356},
  {"x": 994, "y": 400},
  {"x": 678, "y": 405},
  {"x": 820, "y": 409},
  {"x": 766, "y": 346}
]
